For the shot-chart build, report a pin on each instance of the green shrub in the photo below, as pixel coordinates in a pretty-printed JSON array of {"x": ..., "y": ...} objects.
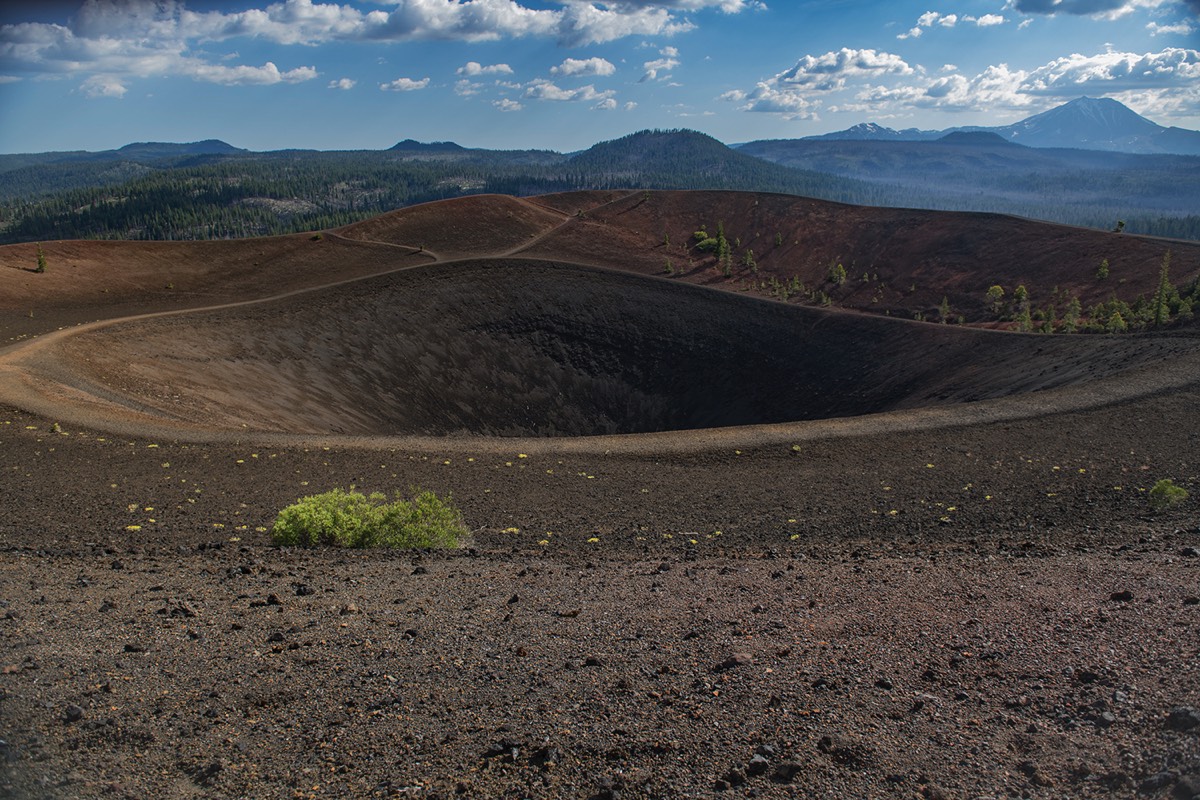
[
  {"x": 352, "y": 519},
  {"x": 1165, "y": 494}
]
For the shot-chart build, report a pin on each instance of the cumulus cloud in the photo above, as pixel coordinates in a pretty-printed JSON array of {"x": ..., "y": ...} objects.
[
  {"x": 1115, "y": 72},
  {"x": 1179, "y": 28},
  {"x": 467, "y": 88},
  {"x": 575, "y": 67},
  {"x": 928, "y": 20},
  {"x": 473, "y": 68},
  {"x": 342, "y": 83},
  {"x": 931, "y": 18},
  {"x": 404, "y": 85},
  {"x": 669, "y": 61},
  {"x": 547, "y": 90},
  {"x": 243, "y": 75},
  {"x": 1102, "y": 9},
  {"x": 1166, "y": 82},
  {"x": 103, "y": 86},
  {"x": 830, "y": 71},
  {"x": 607, "y": 104},
  {"x": 797, "y": 93},
  {"x": 507, "y": 105},
  {"x": 124, "y": 39}
]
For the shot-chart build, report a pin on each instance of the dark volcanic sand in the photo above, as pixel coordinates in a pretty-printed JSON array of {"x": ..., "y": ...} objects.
[{"x": 975, "y": 604}]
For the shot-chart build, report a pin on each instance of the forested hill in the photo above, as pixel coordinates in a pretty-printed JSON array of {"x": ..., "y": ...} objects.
[{"x": 212, "y": 190}]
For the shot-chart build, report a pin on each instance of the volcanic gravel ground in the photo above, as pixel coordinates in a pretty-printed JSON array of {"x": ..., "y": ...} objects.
[{"x": 967, "y": 612}]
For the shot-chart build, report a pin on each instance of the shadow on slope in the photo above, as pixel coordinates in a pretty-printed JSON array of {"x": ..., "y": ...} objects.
[{"x": 521, "y": 348}]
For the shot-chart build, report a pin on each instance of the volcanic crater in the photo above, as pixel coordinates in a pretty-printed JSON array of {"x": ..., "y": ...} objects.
[
  {"x": 549, "y": 317},
  {"x": 524, "y": 348}
]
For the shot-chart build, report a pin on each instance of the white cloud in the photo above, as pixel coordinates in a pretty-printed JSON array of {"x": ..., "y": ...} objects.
[
  {"x": 830, "y": 71},
  {"x": 669, "y": 61},
  {"x": 770, "y": 99},
  {"x": 931, "y": 18},
  {"x": 547, "y": 90},
  {"x": 1179, "y": 28},
  {"x": 342, "y": 83},
  {"x": 575, "y": 67},
  {"x": 125, "y": 39},
  {"x": 103, "y": 86},
  {"x": 1114, "y": 72},
  {"x": 630, "y": 106},
  {"x": 1166, "y": 83},
  {"x": 466, "y": 88},
  {"x": 584, "y": 24},
  {"x": 474, "y": 68},
  {"x": 1100, "y": 9},
  {"x": 607, "y": 104},
  {"x": 928, "y": 20},
  {"x": 243, "y": 75},
  {"x": 404, "y": 85},
  {"x": 507, "y": 105}
]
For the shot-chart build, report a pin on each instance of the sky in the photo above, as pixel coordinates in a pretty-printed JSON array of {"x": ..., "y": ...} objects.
[{"x": 565, "y": 74}]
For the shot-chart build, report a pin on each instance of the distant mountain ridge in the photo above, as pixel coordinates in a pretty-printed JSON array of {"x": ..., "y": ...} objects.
[
  {"x": 1085, "y": 123},
  {"x": 138, "y": 151}
]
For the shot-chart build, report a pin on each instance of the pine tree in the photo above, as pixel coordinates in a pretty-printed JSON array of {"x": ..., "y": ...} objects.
[
  {"x": 1162, "y": 297},
  {"x": 41, "y": 260}
]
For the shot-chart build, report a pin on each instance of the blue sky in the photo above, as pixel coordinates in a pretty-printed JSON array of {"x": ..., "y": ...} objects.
[{"x": 564, "y": 74}]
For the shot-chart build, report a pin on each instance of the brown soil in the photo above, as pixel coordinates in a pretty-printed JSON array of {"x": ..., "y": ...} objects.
[{"x": 935, "y": 598}]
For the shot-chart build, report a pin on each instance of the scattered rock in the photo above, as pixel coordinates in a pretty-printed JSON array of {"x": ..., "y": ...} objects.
[
  {"x": 1159, "y": 780},
  {"x": 207, "y": 774},
  {"x": 180, "y": 608},
  {"x": 1188, "y": 788},
  {"x": 1191, "y": 601},
  {"x": 735, "y": 660},
  {"x": 1190, "y": 552},
  {"x": 787, "y": 771},
  {"x": 72, "y": 713},
  {"x": 1123, "y": 596},
  {"x": 546, "y": 757},
  {"x": 1033, "y": 772},
  {"x": 846, "y": 751},
  {"x": 348, "y": 610},
  {"x": 1183, "y": 718},
  {"x": 885, "y": 684},
  {"x": 758, "y": 766},
  {"x": 304, "y": 590},
  {"x": 134, "y": 648},
  {"x": 507, "y": 749}
]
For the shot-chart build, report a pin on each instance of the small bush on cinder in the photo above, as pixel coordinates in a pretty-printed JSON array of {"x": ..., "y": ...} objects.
[
  {"x": 352, "y": 519},
  {"x": 1165, "y": 494}
]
